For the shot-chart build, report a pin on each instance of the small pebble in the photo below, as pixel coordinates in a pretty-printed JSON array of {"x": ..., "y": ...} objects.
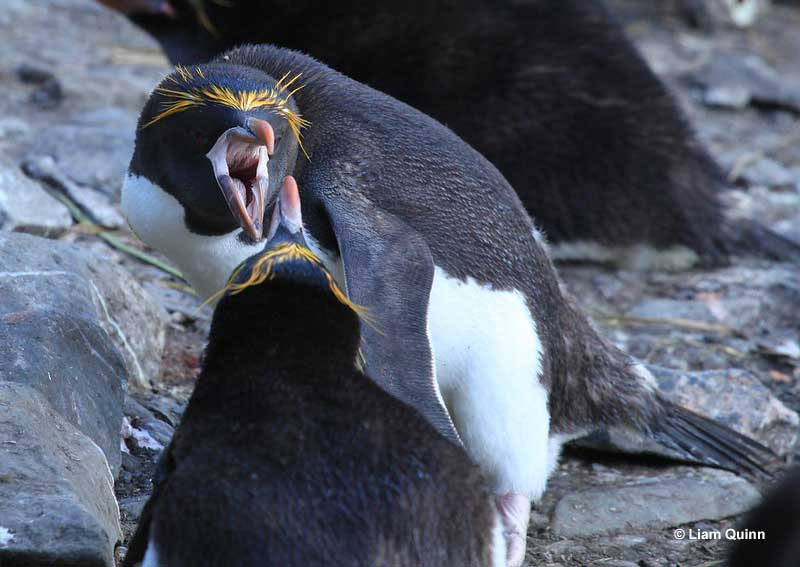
[
  {"x": 33, "y": 75},
  {"x": 618, "y": 563}
]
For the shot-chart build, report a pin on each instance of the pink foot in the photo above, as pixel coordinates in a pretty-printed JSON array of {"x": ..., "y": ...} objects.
[{"x": 515, "y": 511}]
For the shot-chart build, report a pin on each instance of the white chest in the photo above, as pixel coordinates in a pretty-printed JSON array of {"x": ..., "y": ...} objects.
[{"x": 158, "y": 219}]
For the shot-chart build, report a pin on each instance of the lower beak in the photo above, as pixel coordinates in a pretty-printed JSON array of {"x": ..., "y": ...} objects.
[{"x": 238, "y": 150}]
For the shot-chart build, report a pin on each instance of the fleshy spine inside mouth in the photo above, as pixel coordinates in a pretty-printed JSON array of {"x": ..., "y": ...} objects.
[
  {"x": 240, "y": 168},
  {"x": 244, "y": 161}
]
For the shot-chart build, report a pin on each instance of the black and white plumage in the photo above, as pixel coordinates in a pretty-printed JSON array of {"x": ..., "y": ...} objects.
[
  {"x": 554, "y": 95},
  {"x": 418, "y": 227},
  {"x": 287, "y": 455}
]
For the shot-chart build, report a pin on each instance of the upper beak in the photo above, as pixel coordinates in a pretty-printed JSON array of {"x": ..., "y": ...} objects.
[
  {"x": 263, "y": 132},
  {"x": 241, "y": 151}
]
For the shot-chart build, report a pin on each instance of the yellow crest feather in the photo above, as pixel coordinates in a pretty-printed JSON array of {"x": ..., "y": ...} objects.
[
  {"x": 262, "y": 271},
  {"x": 184, "y": 97}
]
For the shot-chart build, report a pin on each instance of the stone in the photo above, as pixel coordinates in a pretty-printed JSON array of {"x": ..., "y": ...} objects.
[
  {"x": 57, "y": 504},
  {"x": 769, "y": 173},
  {"x": 653, "y": 504},
  {"x": 538, "y": 521},
  {"x": 13, "y": 128},
  {"x": 78, "y": 100},
  {"x": 42, "y": 269},
  {"x": 66, "y": 357},
  {"x": 739, "y": 79},
  {"x": 92, "y": 153},
  {"x": 711, "y": 14},
  {"x": 734, "y": 96},
  {"x": 75, "y": 328},
  {"x": 95, "y": 204},
  {"x": 26, "y": 207},
  {"x": 157, "y": 429},
  {"x": 135, "y": 322},
  {"x": 133, "y": 409},
  {"x": 734, "y": 397},
  {"x": 165, "y": 408},
  {"x": 132, "y": 507},
  {"x": 663, "y": 308},
  {"x": 189, "y": 306},
  {"x": 139, "y": 439},
  {"x": 626, "y": 540}
]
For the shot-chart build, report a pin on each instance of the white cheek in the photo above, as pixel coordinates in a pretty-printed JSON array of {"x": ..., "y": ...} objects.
[{"x": 157, "y": 218}]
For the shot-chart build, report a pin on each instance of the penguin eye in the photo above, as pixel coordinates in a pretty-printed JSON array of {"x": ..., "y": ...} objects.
[{"x": 199, "y": 137}]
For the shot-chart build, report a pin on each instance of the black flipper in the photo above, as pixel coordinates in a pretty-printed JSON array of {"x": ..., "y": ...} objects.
[
  {"x": 388, "y": 269},
  {"x": 137, "y": 546},
  {"x": 705, "y": 441}
]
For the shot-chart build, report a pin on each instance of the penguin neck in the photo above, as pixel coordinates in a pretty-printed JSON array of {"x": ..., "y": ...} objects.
[{"x": 280, "y": 334}]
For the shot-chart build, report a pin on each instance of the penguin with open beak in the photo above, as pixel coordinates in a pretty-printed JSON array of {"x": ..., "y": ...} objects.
[
  {"x": 288, "y": 455},
  {"x": 469, "y": 327},
  {"x": 554, "y": 94}
]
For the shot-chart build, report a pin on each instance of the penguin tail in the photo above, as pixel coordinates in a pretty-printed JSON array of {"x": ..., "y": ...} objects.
[
  {"x": 749, "y": 237},
  {"x": 704, "y": 441}
]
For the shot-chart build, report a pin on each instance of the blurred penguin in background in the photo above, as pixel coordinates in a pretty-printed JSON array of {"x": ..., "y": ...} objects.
[{"x": 554, "y": 95}]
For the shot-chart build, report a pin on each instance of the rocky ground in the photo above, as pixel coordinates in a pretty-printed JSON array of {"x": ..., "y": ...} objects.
[{"x": 113, "y": 320}]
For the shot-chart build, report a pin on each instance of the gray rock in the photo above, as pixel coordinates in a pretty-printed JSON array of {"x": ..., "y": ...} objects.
[
  {"x": 98, "y": 86},
  {"x": 741, "y": 79},
  {"x": 736, "y": 398},
  {"x": 26, "y": 207},
  {"x": 117, "y": 68},
  {"x": 136, "y": 324},
  {"x": 653, "y": 504},
  {"x": 92, "y": 151},
  {"x": 95, "y": 204},
  {"x": 727, "y": 96},
  {"x": 175, "y": 301},
  {"x": 662, "y": 308},
  {"x": 132, "y": 507},
  {"x": 65, "y": 318},
  {"x": 158, "y": 430},
  {"x": 165, "y": 408},
  {"x": 140, "y": 439},
  {"x": 57, "y": 504},
  {"x": 66, "y": 357},
  {"x": 12, "y": 128},
  {"x": 627, "y": 540},
  {"x": 538, "y": 521},
  {"x": 769, "y": 173},
  {"x": 733, "y": 397},
  {"x": 711, "y": 14},
  {"x": 133, "y": 409}
]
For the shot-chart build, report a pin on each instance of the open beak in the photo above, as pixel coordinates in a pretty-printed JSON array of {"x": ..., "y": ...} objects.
[
  {"x": 287, "y": 210},
  {"x": 239, "y": 158}
]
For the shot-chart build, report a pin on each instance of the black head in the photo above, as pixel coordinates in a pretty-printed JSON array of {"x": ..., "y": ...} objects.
[
  {"x": 219, "y": 138},
  {"x": 287, "y": 282}
]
